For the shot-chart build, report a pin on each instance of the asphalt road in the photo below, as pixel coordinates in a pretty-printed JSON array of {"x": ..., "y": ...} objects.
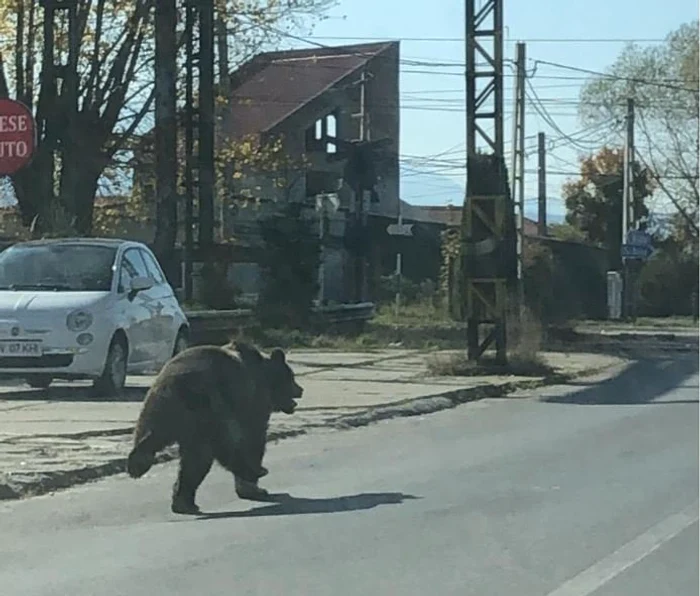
[{"x": 588, "y": 490}]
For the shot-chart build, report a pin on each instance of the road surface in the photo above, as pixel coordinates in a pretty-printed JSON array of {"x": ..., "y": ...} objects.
[{"x": 559, "y": 494}]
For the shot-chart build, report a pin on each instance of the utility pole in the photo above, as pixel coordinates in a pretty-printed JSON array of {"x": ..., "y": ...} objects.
[
  {"x": 518, "y": 166},
  {"x": 397, "y": 305},
  {"x": 485, "y": 273},
  {"x": 166, "y": 130},
  {"x": 206, "y": 124},
  {"x": 199, "y": 179},
  {"x": 627, "y": 215},
  {"x": 627, "y": 173},
  {"x": 360, "y": 218},
  {"x": 541, "y": 185},
  {"x": 190, "y": 18}
]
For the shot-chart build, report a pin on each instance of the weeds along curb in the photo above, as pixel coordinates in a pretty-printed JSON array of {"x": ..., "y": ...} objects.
[{"x": 53, "y": 481}]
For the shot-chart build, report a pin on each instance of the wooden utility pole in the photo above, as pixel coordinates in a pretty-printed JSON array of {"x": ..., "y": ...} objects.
[
  {"x": 541, "y": 186},
  {"x": 399, "y": 266},
  {"x": 206, "y": 124},
  {"x": 188, "y": 252},
  {"x": 360, "y": 219},
  {"x": 166, "y": 129},
  {"x": 517, "y": 187},
  {"x": 627, "y": 173},
  {"x": 627, "y": 215}
]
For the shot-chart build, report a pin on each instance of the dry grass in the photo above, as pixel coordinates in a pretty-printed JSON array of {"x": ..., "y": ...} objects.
[
  {"x": 524, "y": 359},
  {"x": 458, "y": 365}
]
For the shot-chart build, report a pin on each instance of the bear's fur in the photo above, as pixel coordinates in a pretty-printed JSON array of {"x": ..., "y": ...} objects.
[{"x": 215, "y": 402}]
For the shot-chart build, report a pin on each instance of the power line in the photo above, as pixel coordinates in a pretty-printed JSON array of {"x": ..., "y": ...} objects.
[
  {"x": 436, "y": 64},
  {"x": 271, "y": 100},
  {"x": 530, "y": 40},
  {"x": 555, "y": 101},
  {"x": 659, "y": 82}
]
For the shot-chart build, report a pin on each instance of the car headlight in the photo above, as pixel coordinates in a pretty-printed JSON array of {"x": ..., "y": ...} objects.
[{"x": 78, "y": 320}]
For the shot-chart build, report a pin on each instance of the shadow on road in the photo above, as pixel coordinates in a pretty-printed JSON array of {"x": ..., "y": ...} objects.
[
  {"x": 286, "y": 504},
  {"x": 69, "y": 393},
  {"x": 640, "y": 383}
]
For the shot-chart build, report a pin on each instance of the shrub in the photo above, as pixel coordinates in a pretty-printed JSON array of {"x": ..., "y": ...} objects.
[
  {"x": 216, "y": 291},
  {"x": 289, "y": 266}
]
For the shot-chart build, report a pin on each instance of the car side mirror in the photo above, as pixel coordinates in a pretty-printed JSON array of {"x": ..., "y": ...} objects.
[{"x": 140, "y": 283}]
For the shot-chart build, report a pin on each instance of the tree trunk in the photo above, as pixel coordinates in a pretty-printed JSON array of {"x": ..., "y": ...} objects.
[{"x": 34, "y": 192}]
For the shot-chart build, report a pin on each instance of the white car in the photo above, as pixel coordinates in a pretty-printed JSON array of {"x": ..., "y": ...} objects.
[{"x": 86, "y": 308}]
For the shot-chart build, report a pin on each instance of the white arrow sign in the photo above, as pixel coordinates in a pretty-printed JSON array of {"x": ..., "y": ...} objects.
[{"x": 400, "y": 229}]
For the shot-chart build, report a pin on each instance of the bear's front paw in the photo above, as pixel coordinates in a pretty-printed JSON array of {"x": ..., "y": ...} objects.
[
  {"x": 184, "y": 507},
  {"x": 250, "y": 491}
]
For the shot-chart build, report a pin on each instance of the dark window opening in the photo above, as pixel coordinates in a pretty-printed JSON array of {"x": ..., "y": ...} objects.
[{"x": 317, "y": 135}]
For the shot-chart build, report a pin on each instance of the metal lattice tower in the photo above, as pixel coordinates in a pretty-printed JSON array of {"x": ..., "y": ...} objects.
[
  {"x": 199, "y": 117},
  {"x": 485, "y": 216},
  {"x": 484, "y": 27},
  {"x": 58, "y": 100}
]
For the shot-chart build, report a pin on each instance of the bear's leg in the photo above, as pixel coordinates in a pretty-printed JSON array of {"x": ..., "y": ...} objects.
[
  {"x": 195, "y": 463},
  {"x": 237, "y": 452},
  {"x": 237, "y": 461},
  {"x": 249, "y": 490}
]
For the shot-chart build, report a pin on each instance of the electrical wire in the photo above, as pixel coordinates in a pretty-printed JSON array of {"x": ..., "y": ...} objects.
[
  {"x": 462, "y": 65},
  {"x": 659, "y": 82},
  {"x": 527, "y": 40}
]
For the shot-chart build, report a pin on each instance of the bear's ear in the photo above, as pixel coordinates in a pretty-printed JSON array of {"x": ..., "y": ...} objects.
[{"x": 277, "y": 355}]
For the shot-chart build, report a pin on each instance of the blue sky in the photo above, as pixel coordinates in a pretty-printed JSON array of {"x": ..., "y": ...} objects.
[{"x": 432, "y": 119}]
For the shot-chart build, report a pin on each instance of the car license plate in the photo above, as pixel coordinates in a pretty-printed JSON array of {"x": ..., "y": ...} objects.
[{"x": 20, "y": 348}]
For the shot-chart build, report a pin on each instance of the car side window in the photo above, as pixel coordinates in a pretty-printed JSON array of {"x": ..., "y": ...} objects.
[
  {"x": 152, "y": 266},
  {"x": 131, "y": 266}
]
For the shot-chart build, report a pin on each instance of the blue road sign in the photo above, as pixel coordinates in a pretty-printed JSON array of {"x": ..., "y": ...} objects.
[
  {"x": 635, "y": 251},
  {"x": 638, "y": 238}
]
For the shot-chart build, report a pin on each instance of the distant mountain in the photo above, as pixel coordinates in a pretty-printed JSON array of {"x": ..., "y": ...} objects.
[
  {"x": 435, "y": 189},
  {"x": 430, "y": 189}
]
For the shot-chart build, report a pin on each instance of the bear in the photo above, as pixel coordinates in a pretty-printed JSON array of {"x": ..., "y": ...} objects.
[{"x": 215, "y": 402}]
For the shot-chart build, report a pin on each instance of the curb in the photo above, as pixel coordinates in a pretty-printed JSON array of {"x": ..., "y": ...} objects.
[
  {"x": 419, "y": 406},
  {"x": 672, "y": 335}
]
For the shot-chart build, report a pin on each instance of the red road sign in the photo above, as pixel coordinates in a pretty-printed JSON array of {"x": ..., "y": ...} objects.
[{"x": 17, "y": 136}]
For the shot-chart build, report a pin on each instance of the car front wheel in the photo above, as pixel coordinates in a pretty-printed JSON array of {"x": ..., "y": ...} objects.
[
  {"x": 181, "y": 342},
  {"x": 113, "y": 378},
  {"x": 39, "y": 381}
]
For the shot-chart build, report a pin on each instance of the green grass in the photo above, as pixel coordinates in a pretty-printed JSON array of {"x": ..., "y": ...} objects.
[
  {"x": 419, "y": 326},
  {"x": 297, "y": 339},
  {"x": 422, "y": 313}
]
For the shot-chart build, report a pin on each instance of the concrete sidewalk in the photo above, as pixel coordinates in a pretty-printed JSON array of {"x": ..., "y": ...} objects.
[{"x": 56, "y": 438}]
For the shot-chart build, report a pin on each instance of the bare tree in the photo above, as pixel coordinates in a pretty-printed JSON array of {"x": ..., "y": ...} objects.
[
  {"x": 663, "y": 80},
  {"x": 95, "y": 128}
]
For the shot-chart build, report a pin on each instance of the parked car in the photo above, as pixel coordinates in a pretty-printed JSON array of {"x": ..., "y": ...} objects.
[{"x": 86, "y": 308}]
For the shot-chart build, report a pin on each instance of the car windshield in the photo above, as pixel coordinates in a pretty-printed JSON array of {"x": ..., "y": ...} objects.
[{"x": 57, "y": 267}]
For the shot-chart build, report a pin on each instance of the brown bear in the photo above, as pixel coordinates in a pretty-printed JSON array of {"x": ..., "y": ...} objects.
[{"x": 215, "y": 402}]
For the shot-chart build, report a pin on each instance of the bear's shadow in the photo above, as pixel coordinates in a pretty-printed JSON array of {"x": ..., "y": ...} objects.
[{"x": 286, "y": 504}]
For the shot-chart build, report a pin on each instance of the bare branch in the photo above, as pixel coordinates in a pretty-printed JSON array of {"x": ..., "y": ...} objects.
[
  {"x": 127, "y": 134},
  {"x": 653, "y": 171},
  {"x": 19, "y": 51},
  {"x": 95, "y": 61},
  {"x": 31, "y": 58}
]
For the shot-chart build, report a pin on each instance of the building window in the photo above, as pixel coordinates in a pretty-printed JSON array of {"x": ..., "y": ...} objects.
[
  {"x": 331, "y": 131},
  {"x": 317, "y": 135}
]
